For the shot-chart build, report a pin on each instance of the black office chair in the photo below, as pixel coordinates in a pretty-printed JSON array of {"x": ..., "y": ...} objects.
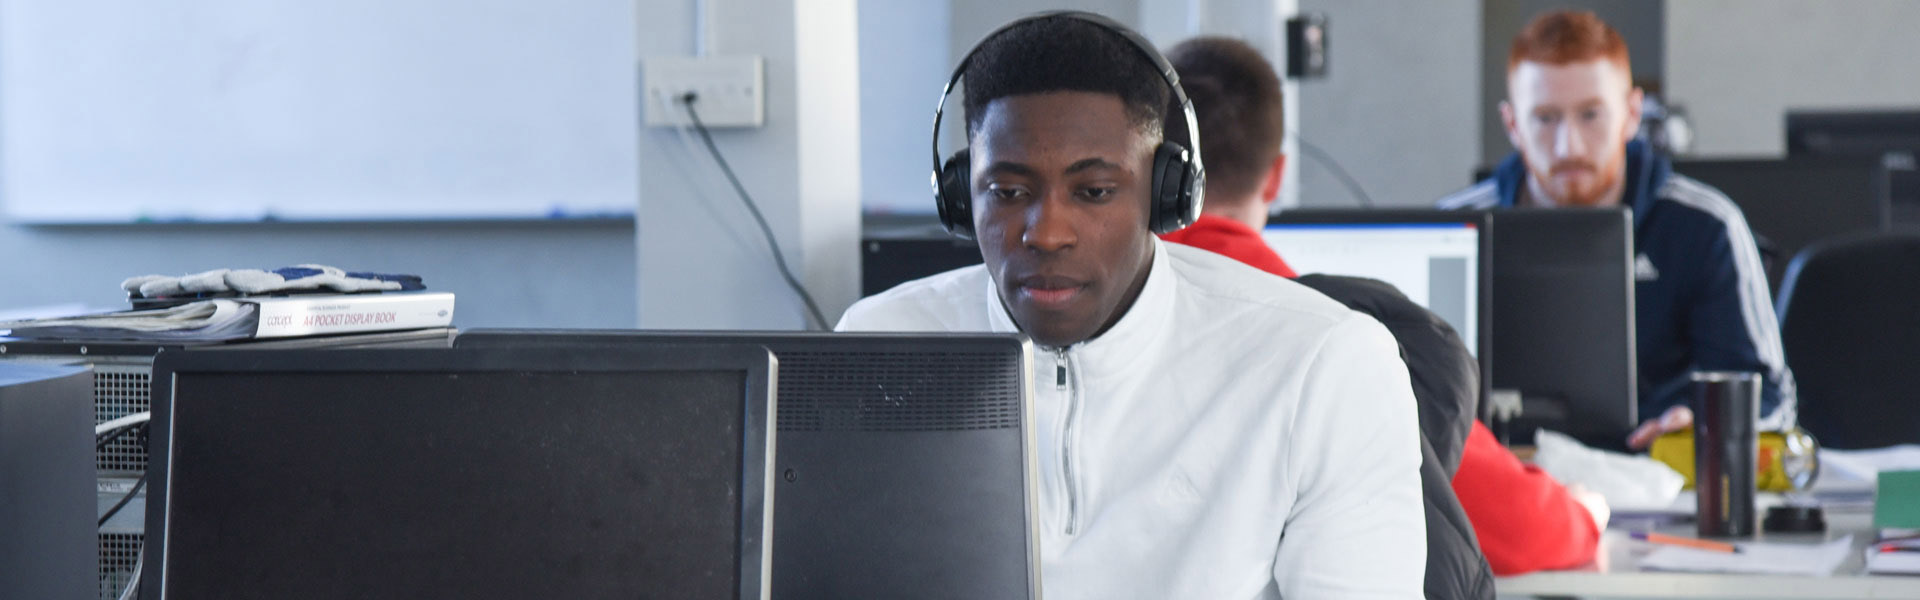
[{"x": 1849, "y": 321}]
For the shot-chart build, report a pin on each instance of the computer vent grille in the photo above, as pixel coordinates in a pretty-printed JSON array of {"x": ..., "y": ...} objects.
[
  {"x": 118, "y": 553},
  {"x": 885, "y": 391},
  {"x": 118, "y": 391}
]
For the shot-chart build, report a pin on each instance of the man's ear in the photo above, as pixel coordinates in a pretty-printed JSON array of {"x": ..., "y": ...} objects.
[
  {"x": 1512, "y": 125},
  {"x": 1635, "y": 98},
  {"x": 1270, "y": 189}
]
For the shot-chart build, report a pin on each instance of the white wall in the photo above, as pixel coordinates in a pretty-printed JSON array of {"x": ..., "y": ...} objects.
[
  {"x": 702, "y": 261},
  {"x": 1399, "y": 108},
  {"x": 1737, "y": 66},
  {"x": 559, "y": 273},
  {"x": 903, "y": 61},
  {"x": 296, "y": 110}
]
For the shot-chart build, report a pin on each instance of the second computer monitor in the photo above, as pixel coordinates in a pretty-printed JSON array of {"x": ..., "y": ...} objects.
[
  {"x": 1436, "y": 258},
  {"x": 1563, "y": 306},
  {"x": 1892, "y": 136}
]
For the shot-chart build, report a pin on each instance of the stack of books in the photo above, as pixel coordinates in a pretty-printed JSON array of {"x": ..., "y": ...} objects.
[
  {"x": 251, "y": 317},
  {"x": 1897, "y": 552}
]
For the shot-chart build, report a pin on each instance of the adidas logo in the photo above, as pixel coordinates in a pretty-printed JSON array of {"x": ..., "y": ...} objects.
[
  {"x": 1643, "y": 269},
  {"x": 1178, "y": 490}
]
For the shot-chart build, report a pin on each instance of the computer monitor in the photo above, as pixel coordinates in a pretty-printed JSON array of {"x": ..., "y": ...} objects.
[
  {"x": 1435, "y": 257},
  {"x": 1890, "y": 135},
  {"x": 1795, "y": 202},
  {"x": 897, "y": 250},
  {"x": 1563, "y": 302},
  {"x": 906, "y": 462},
  {"x": 462, "y": 473},
  {"x": 47, "y": 504}
]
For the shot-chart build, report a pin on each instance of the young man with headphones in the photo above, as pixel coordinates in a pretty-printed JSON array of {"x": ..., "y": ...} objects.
[{"x": 1205, "y": 430}]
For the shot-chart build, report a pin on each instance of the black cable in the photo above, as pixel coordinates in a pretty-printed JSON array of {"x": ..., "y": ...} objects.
[
  {"x": 778, "y": 257},
  {"x": 101, "y": 444},
  {"x": 137, "y": 485},
  {"x": 1326, "y": 160}
]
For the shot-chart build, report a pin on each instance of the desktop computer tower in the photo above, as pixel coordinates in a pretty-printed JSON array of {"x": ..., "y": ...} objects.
[{"x": 121, "y": 376}]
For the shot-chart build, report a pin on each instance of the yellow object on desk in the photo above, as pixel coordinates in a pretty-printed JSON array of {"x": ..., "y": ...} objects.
[{"x": 1788, "y": 460}]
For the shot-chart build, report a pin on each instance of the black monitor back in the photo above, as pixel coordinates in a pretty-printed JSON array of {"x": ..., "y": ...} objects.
[
  {"x": 47, "y": 544},
  {"x": 474, "y": 473},
  {"x": 1792, "y": 203},
  {"x": 904, "y": 459},
  {"x": 896, "y": 250},
  {"x": 1890, "y": 135},
  {"x": 1563, "y": 319}
]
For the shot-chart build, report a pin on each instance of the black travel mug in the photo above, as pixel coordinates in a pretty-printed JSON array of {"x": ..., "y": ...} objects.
[{"x": 1726, "y": 408}]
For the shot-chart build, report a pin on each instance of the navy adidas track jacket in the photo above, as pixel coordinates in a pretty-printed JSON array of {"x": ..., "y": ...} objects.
[{"x": 1700, "y": 297}]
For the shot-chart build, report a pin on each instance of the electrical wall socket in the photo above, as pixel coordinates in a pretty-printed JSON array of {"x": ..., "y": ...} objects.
[{"x": 729, "y": 91}]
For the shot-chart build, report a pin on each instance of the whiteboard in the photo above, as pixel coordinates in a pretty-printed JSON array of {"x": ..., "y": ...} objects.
[{"x": 132, "y": 110}]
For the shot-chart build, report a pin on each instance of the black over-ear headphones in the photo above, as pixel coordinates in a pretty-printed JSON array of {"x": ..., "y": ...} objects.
[{"x": 1179, "y": 179}]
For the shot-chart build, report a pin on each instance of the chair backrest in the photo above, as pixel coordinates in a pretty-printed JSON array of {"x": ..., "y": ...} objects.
[
  {"x": 1850, "y": 323},
  {"x": 1446, "y": 384}
]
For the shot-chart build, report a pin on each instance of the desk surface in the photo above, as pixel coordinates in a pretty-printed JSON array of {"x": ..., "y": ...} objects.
[{"x": 1616, "y": 573}]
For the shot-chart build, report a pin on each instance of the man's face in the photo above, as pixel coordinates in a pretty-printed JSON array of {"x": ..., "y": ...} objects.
[
  {"x": 1060, "y": 208},
  {"x": 1571, "y": 123}
]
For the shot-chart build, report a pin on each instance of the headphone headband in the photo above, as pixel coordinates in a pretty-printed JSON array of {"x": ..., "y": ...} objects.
[{"x": 1139, "y": 43}]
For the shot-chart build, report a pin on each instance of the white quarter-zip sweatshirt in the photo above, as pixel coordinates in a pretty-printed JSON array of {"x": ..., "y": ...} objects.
[{"x": 1234, "y": 435}]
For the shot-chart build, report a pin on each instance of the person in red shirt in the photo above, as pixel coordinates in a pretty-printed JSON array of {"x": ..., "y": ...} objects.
[{"x": 1524, "y": 520}]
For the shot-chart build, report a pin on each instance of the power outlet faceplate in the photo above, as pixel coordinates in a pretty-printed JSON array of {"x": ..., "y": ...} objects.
[{"x": 729, "y": 91}]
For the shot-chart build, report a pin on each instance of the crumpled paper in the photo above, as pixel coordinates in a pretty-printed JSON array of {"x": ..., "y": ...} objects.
[{"x": 1625, "y": 480}]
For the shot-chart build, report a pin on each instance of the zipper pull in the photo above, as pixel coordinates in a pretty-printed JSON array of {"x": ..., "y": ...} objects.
[{"x": 1060, "y": 369}]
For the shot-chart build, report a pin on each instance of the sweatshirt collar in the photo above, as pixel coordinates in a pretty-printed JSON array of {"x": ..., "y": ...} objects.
[
  {"x": 1646, "y": 172},
  {"x": 1146, "y": 321}
]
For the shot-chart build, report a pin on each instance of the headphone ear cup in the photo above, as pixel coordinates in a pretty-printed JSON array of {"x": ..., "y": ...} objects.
[
  {"x": 1175, "y": 199},
  {"x": 1195, "y": 195},
  {"x": 953, "y": 194}
]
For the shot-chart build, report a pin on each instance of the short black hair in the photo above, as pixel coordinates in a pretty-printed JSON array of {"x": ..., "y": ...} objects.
[
  {"x": 1061, "y": 53},
  {"x": 1236, "y": 97}
]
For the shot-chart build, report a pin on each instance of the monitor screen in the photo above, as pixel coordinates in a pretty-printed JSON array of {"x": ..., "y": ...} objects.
[
  {"x": 1436, "y": 264},
  {"x": 889, "y": 261},
  {"x": 421, "y": 477},
  {"x": 910, "y": 451},
  {"x": 1890, "y": 135}
]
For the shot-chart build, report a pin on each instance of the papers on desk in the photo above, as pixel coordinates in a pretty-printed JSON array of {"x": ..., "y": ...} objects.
[
  {"x": 225, "y": 319},
  {"x": 1771, "y": 558},
  {"x": 1897, "y": 552},
  {"x": 1625, "y": 480},
  {"x": 1864, "y": 464},
  {"x": 210, "y": 320},
  {"x": 1846, "y": 484}
]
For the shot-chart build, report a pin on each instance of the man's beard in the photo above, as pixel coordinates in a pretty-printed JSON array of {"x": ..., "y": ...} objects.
[{"x": 1589, "y": 191}]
